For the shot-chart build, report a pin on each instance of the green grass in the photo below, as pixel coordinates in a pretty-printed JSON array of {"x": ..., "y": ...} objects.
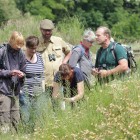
[{"x": 110, "y": 112}]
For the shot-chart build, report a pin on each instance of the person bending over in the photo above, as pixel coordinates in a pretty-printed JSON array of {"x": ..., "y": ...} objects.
[{"x": 71, "y": 79}]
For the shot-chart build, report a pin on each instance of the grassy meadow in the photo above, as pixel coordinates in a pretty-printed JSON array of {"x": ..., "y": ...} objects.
[{"x": 108, "y": 112}]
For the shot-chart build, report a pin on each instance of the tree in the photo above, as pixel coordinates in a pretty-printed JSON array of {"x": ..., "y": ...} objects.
[
  {"x": 127, "y": 29},
  {"x": 8, "y": 10},
  {"x": 50, "y": 9}
]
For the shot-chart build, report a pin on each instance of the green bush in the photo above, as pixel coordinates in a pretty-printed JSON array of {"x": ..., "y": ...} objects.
[{"x": 127, "y": 30}]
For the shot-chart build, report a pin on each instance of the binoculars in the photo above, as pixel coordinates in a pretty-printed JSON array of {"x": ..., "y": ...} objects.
[{"x": 51, "y": 57}]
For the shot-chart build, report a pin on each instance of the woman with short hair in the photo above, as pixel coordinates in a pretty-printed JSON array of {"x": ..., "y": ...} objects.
[
  {"x": 12, "y": 69},
  {"x": 71, "y": 78},
  {"x": 32, "y": 92}
]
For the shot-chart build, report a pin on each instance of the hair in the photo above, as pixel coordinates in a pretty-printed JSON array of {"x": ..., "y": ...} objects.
[
  {"x": 32, "y": 41},
  {"x": 64, "y": 70},
  {"x": 89, "y": 35},
  {"x": 16, "y": 39},
  {"x": 106, "y": 30}
]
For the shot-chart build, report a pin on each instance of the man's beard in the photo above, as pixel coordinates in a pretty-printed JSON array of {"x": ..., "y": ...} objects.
[{"x": 46, "y": 37}]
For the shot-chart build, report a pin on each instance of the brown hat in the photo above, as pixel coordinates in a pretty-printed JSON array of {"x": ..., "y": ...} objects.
[{"x": 46, "y": 24}]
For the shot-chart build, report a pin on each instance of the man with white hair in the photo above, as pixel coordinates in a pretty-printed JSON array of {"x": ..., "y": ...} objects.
[{"x": 82, "y": 57}]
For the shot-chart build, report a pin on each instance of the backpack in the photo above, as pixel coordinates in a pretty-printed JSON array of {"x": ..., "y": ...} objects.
[
  {"x": 3, "y": 49},
  {"x": 130, "y": 56},
  {"x": 78, "y": 64},
  {"x": 81, "y": 48},
  {"x": 81, "y": 55}
]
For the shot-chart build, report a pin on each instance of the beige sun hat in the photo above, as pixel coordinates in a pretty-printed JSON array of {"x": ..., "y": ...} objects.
[{"x": 47, "y": 24}]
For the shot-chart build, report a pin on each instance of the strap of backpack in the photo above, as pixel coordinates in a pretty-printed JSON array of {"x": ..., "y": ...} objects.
[
  {"x": 98, "y": 57},
  {"x": 82, "y": 51},
  {"x": 114, "y": 52},
  {"x": 3, "y": 49}
]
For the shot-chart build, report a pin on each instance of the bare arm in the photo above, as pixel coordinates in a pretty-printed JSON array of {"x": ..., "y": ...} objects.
[
  {"x": 55, "y": 93},
  {"x": 122, "y": 67},
  {"x": 67, "y": 57},
  {"x": 80, "y": 90}
]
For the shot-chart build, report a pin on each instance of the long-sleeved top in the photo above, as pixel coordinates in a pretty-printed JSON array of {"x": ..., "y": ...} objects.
[{"x": 11, "y": 59}]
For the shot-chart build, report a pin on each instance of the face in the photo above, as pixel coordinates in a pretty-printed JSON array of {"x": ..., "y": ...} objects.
[
  {"x": 46, "y": 33},
  {"x": 88, "y": 44},
  {"x": 68, "y": 77},
  {"x": 101, "y": 37},
  {"x": 18, "y": 45},
  {"x": 31, "y": 50}
]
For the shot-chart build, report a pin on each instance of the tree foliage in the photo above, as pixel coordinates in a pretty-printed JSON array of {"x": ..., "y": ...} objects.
[
  {"x": 8, "y": 10},
  {"x": 116, "y": 14},
  {"x": 45, "y": 8}
]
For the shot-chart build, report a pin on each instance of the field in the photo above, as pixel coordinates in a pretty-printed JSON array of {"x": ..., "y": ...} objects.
[{"x": 108, "y": 112}]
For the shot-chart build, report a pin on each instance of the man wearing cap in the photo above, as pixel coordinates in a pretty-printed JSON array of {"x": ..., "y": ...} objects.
[
  {"x": 54, "y": 52},
  {"x": 82, "y": 57}
]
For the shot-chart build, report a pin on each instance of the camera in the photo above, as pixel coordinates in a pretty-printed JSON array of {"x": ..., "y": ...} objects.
[
  {"x": 51, "y": 57},
  {"x": 102, "y": 67}
]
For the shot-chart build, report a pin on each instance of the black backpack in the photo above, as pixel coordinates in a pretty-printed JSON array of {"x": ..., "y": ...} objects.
[
  {"x": 3, "y": 49},
  {"x": 130, "y": 56}
]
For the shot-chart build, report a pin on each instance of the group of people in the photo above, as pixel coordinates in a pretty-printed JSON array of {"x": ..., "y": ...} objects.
[{"x": 49, "y": 65}]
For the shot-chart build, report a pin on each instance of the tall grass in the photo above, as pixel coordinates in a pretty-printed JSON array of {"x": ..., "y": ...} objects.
[
  {"x": 107, "y": 112},
  {"x": 71, "y": 29},
  {"x": 27, "y": 25}
]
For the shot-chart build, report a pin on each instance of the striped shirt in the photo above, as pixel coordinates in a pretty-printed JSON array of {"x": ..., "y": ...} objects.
[{"x": 34, "y": 76}]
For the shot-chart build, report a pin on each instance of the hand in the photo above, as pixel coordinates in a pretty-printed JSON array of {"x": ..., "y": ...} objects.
[
  {"x": 18, "y": 73},
  {"x": 95, "y": 72},
  {"x": 103, "y": 73},
  {"x": 67, "y": 99}
]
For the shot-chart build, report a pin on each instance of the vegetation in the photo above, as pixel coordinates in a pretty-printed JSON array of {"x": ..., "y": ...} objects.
[
  {"x": 121, "y": 16},
  {"x": 109, "y": 112}
]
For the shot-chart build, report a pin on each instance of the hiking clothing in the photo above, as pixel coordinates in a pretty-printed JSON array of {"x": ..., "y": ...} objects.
[
  {"x": 52, "y": 53},
  {"x": 83, "y": 58},
  {"x": 9, "y": 110},
  {"x": 34, "y": 76},
  {"x": 11, "y": 60},
  {"x": 32, "y": 90},
  {"x": 105, "y": 58},
  {"x": 78, "y": 77}
]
